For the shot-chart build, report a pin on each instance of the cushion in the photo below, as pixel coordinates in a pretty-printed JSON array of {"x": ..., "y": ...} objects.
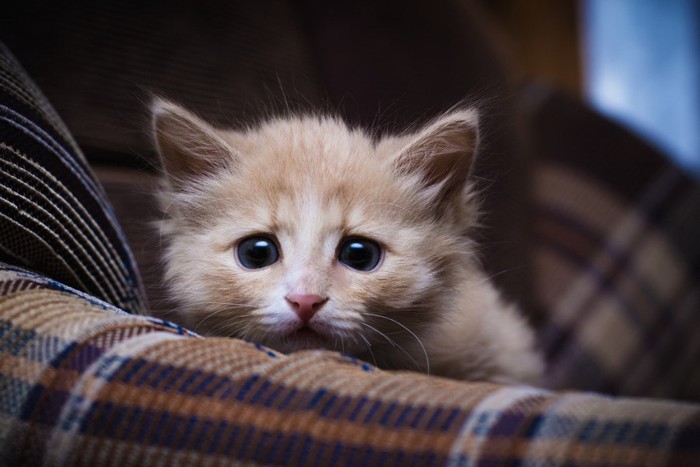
[
  {"x": 616, "y": 256},
  {"x": 54, "y": 217}
]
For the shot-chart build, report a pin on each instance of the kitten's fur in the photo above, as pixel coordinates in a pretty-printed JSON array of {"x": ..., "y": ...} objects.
[{"x": 308, "y": 182}]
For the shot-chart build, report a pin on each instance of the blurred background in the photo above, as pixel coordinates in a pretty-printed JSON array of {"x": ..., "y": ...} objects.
[{"x": 636, "y": 61}]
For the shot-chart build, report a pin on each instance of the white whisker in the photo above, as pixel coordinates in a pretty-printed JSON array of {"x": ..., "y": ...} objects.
[
  {"x": 211, "y": 315},
  {"x": 425, "y": 353},
  {"x": 390, "y": 340},
  {"x": 369, "y": 347}
]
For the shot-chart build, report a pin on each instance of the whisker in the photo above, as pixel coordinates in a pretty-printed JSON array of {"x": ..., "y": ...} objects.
[
  {"x": 500, "y": 273},
  {"x": 369, "y": 347},
  {"x": 407, "y": 353},
  {"x": 211, "y": 315},
  {"x": 232, "y": 304},
  {"x": 390, "y": 340},
  {"x": 425, "y": 352},
  {"x": 231, "y": 324}
]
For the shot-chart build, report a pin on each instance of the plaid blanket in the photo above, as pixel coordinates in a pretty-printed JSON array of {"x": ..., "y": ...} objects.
[
  {"x": 617, "y": 259},
  {"x": 83, "y": 382}
]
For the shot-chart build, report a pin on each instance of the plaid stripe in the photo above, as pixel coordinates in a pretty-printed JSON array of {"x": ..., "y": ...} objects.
[
  {"x": 617, "y": 258},
  {"x": 54, "y": 217},
  {"x": 83, "y": 384}
]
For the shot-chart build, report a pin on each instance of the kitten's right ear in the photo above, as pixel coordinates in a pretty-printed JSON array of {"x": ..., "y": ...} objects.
[
  {"x": 441, "y": 154},
  {"x": 188, "y": 146}
]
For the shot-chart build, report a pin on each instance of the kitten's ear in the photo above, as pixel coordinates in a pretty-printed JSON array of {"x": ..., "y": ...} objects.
[
  {"x": 187, "y": 145},
  {"x": 441, "y": 154}
]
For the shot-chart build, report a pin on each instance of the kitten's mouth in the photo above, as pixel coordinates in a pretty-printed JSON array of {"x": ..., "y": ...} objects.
[
  {"x": 304, "y": 338},
  {"x": 304, "y": 332}
]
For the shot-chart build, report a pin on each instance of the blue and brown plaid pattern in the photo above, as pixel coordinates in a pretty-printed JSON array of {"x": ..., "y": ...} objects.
[
  {"x": 84, "y": 383},
  {"x": 617, "y": 257}
]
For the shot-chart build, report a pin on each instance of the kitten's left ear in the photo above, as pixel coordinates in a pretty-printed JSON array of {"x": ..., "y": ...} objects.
[
  {"x": 441, "y": 154},
  {"x": 188, "y": 146}
]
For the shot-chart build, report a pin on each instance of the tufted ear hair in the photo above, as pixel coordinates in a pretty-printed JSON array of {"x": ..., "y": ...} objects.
[
  {"x": 188, "y": 146},
  {"x": 441, "y": 154}
]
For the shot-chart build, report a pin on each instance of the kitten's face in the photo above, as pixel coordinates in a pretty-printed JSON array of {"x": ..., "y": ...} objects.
[{"x": 303, "y": 234}]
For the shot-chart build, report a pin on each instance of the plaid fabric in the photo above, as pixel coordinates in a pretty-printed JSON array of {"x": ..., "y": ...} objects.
[
  {"x": 84, "y": 383},
  {"x": 617, "y": 259},
  {"x": 54, "y": 218}
]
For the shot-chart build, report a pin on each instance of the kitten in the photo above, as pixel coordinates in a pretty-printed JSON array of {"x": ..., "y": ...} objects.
[{"x": 301, "y": 233}]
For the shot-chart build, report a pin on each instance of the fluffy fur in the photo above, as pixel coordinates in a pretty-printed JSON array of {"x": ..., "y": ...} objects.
[{"x": 308, "y": 183}]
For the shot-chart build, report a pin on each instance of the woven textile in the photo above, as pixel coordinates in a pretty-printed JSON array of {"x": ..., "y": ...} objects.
[
  {"x": 85, "y": 384},
  {"x": 617, "y": 260},
  {"x": 54, "y": 217}
]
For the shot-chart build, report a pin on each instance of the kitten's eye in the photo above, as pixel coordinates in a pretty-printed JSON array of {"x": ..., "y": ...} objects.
[
  {"x": 257, "y": 252},
  {"x": 360, "y": 254}
]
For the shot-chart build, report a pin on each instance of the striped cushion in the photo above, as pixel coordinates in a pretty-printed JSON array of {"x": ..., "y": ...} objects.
[
  {"x": 54, "y": 217},
  {"x": 82, "y": 382}
]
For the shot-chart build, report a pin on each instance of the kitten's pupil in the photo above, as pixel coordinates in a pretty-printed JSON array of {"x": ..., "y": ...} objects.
[
  {"x": 257, "y": 252},
  {"x": 360, "y": 254}
]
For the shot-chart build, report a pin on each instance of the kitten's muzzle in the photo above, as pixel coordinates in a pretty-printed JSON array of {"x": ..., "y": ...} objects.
[{"x": 305, "y": 305}]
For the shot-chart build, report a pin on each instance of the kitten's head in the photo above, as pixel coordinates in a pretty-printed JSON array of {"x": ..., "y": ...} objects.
[{"x": 302, "y": 233}]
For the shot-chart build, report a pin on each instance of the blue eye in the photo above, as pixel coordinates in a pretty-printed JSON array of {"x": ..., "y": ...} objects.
[
  {"x": 257, "y": 252},
  {"x": 360, "y": 254}
]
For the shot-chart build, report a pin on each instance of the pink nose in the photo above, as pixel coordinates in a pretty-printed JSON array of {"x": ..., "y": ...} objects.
[{"x": 305, "y": 306}]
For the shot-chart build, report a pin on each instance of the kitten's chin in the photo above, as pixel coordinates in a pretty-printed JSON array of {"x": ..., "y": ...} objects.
[{"x": 301, "y": 339}]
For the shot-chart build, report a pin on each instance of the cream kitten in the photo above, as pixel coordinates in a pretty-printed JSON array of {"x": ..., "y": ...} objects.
[{"x": 302, "y": 233}]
